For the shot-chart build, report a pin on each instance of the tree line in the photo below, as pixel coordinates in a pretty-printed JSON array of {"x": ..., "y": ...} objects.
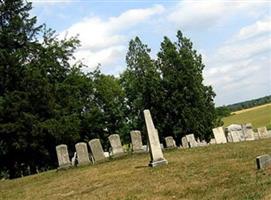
[{"x": 46, "y": 101}]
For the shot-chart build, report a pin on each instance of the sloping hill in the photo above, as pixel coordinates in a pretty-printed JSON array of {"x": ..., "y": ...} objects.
[
  {"x": 225, "y": 171},
  {"x": 258, "y": 116}
]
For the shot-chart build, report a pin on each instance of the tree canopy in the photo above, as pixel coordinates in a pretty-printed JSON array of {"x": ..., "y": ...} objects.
[{"x": 46, "y": 101}]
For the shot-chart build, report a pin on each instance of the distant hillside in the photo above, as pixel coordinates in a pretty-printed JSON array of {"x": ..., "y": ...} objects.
[{"x": 249, "y": 103}]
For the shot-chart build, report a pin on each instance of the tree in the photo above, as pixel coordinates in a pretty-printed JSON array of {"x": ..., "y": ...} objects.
[
  {"x": 188, "y": 105},
  {"x": 171, "y": 87},
  {"x": 31, "y": 117},
  {"x": 141, "y": 82}
]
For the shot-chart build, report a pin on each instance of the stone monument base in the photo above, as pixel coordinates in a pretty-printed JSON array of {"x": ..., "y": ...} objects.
[
  {"x": 158, "y": 163},
  {"x": 65, "y": 166}
]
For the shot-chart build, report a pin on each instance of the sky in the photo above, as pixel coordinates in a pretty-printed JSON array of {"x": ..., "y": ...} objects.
[{"x": 233, "y": 37}]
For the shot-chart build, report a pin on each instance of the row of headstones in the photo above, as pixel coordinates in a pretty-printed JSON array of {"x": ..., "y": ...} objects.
[
  {"x": 242, "y": 133},
  {"x": 97, "y": 152}
]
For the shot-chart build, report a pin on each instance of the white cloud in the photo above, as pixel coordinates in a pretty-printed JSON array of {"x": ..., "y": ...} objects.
[
  {"x": 205, "y": 14},
  {"x": 105, "y": 41},
  {"x": 240, "y": 68},
  {"x": 260, "y": 27}
]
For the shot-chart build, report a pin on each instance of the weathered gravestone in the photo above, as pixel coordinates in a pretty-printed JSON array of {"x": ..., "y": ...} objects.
[
  {"x": 256, "y": 135},
  {"x": 170, "y": 142},
  {"x": 235, "y": 135},
  {"x": 191, "y": 140},
  {"x": 185, "y": 142},
  {"x": 96, "y": 150},
  {"x": 263, "y": 161},
  {"x": 136, "y": 138},
  {"x": 117, "y": 149},
  {"x": 63, "y": 156},
  {"x": 219, "y": 134},
  {"x": 248, "y": 132},
  {"x": 262, "y": 131},
  {"x": 156, "y": 153},
  {"x": 229, "y": 137},
  {"x": 82, "y": 154},
  {"x": 212, "y": 141}
]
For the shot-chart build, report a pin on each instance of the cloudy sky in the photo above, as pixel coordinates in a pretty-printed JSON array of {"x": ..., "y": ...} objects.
[{"x": 234, "y": 37}]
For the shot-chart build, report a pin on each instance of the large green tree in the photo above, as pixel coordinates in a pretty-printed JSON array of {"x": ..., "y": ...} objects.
[
  {"x": 171, "y": 87},
  {"x": 34, "y": 69},
  {"x": 141, "y": 83},
  {"x": 188, "y": 105}
]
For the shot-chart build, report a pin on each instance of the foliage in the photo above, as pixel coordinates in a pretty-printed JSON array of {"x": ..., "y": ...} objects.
[
  {"x": 46, "y": 101},
  {"x": 171, "y": 87}
]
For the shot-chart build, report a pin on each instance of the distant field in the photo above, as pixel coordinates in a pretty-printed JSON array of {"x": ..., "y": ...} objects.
[
  {"x": 226, "y": 171},
  {"x": 259, "y": 116}
]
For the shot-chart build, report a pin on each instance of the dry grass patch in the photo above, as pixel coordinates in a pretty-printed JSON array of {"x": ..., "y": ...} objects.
[{"x": 215, "y": 172}]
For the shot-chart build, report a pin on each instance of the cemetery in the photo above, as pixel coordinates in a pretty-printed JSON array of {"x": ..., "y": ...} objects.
[
  {"x": 232, "y": 134},
  {"x": 88, "y": 110}
]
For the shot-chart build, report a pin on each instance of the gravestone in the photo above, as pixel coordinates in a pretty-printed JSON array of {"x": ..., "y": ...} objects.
[
  {"x": 248, "y": 132},
  {"x": 219, "y": 134},
  {"x": 263, "y": 161},
  {"x": 96, "y": 150},
  {"x": 262, "y": 131},
  {"x": 212, "y": 141},
  {"x": 106, "y": 154},
  {"x": 156, "y": 153},
  {"x": 117, "y": 149},
  {"x": 63, "y": 156},
  {"x": 256, "y": 135},
  {"x": 191, "y": 140},
  {"x": 145, "y": 148},
  {"x": 229, "y": 137},
  {"x": 74, "y": 159},
  {"x": 136, "y": 138},
  {"x": 235, "y": 136},
  {"x": 185, "y": 142},
  {"x": 170, "y": 142},
  {"x": 82, "y": 154}
]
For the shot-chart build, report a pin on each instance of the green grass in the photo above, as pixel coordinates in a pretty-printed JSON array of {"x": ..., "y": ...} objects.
[
  {"x": 260, "y": 116},
  {"x": 226, "y": 171}
]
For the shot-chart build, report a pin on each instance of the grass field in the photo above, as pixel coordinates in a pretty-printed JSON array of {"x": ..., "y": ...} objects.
[
  {"x": 258, "y": 116},
  {"x": 226, "y": 171}
]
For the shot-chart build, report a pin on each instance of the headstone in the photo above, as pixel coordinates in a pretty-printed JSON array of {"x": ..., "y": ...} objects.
[
  {"x": 96, "y": 150},
  {"x": 212, "y": 141},
  {"x": 106, "y": 154},
  {"x": 229, "y": 137},
  {"x": 248, "y": 132},
  {"x": 162, "y": 146},
  {"x": 263, "y": 132},
  {"x": 156, "y": 153},
  {"x": 191, "y": 140},
  {"x": 235, "y": 136},
  {"x": 219, "y": 135},
  {"x": 74, "y": 159},
  {"x": 145, "y": 148},
  {"x": 234, "y": 127},
  {"x": 136, "y": 138},
  {"x": 117, "y": 149},
  {"x": 263, "y": 161},
  {"x": 63, "y": 156},
  {"x": 170, "y": 142},
  {"x": 82, "y": 154},
  {"x": 241, "y": 135},
  {"x": 256, "y": 135},
  {"x": 185, "y": 142}
]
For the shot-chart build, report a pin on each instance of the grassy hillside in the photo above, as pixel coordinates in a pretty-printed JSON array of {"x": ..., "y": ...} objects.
[
  {"x": 224, "y": 171},
  {"x": 258, "y": 116}
]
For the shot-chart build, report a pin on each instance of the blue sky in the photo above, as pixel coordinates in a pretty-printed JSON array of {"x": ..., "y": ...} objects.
[{"x": 234, "y": 37}]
